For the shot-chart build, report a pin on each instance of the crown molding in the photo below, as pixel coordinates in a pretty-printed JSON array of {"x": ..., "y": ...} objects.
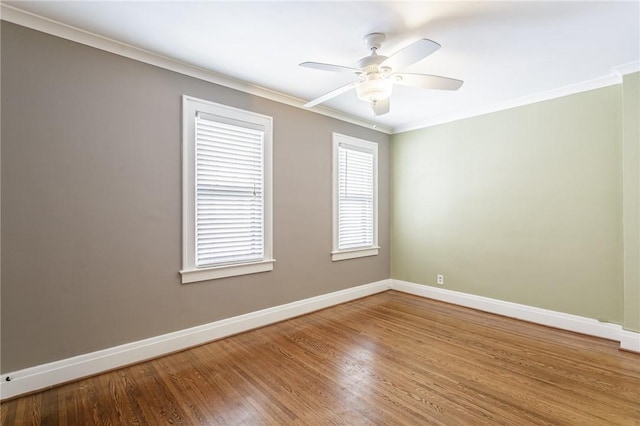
[
  {"x": 615, "y": 77},
  {"x": 58, "y": 29},
  {"x": 68, "y": 32},
  {"x": 628, "y": 68}
]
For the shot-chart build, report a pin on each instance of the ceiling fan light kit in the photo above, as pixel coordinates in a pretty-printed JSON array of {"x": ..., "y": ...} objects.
[
  {"x": 377, "y": 73},
  {"x": 374, "y": 90}
]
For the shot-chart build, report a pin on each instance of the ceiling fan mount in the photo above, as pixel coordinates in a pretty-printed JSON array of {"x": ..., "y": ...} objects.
[
  {"x": 373, "y": 41},
  {"x": 377, "y": 74}
]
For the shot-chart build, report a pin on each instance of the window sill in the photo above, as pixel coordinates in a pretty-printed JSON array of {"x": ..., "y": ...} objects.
[
  {"x": 205, "y": 274},
  {"x": 352, "y": 254}
]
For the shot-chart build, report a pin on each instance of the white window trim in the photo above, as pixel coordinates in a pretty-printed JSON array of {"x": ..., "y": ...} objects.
[
  {"x": 190, "y": 273},
  {"x": 336, "y": 253}
]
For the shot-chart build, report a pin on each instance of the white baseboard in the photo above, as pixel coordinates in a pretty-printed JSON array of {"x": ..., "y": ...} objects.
[
  {"x": 46, "y": 375},
  {"x": 629, "y": 340},
  {"x": 54, "y": 373}
]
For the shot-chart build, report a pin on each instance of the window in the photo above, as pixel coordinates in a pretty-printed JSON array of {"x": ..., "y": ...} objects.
[
  {"x": 226, "y": 162},
  {"x": 355, "y": 198}
]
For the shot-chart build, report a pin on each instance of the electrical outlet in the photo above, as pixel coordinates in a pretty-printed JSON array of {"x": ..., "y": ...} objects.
[{"x": 440, "y": 279}]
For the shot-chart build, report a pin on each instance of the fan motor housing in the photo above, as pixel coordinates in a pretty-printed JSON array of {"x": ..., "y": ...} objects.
[{"x": 371, "y": 63}]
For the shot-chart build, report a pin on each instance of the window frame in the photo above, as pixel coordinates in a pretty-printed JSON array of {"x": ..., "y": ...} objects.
[
  {"x": 361, "y": 144},
  {"x": 191, "y": 106}
]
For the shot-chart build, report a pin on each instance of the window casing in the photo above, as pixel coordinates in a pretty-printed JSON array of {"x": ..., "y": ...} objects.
[
  {"x": 355, "y": 198},
  {"x": 227, "y": 191}
]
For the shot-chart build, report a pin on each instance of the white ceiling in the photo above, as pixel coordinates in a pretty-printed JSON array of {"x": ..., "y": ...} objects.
[{"x": 504, "y": 51}]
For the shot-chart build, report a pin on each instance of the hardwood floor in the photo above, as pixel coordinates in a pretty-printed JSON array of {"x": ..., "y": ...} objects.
[{"x": 390, "y": 358}]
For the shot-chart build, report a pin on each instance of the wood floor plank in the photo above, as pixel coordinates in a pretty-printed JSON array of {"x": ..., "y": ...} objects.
[{"x": 390, "y": 358}]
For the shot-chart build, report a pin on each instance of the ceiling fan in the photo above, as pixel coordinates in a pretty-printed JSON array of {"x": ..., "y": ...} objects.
[{"x": 377, "y": 73}]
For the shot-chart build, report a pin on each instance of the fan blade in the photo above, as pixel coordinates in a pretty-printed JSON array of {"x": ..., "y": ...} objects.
[
  {"x": 410, "y": 54},
  {"x": 331, "y": 94},
  {"x": 381, "y": 107},
  {"x": 427, "y": 81},
  {"x": 328, "y": 67}
]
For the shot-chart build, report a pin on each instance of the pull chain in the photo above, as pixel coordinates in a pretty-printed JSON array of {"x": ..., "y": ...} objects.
[{"x": 375, "y": 116}]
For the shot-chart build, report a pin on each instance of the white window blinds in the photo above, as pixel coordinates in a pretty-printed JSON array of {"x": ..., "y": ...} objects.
[
  {"x": 355, "y": 197},
  {"x": 229, "y": 195}
]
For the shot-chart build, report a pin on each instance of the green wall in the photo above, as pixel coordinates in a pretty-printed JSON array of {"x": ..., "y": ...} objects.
[
  {"x": 631, "y": 200},
  {"x": 522, "y": 205}
]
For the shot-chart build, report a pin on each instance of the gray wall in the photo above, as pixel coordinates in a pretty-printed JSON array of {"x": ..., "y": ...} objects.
[
  {"x": 522, "y": 205},
  {"x": 91, "y": 203}
]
